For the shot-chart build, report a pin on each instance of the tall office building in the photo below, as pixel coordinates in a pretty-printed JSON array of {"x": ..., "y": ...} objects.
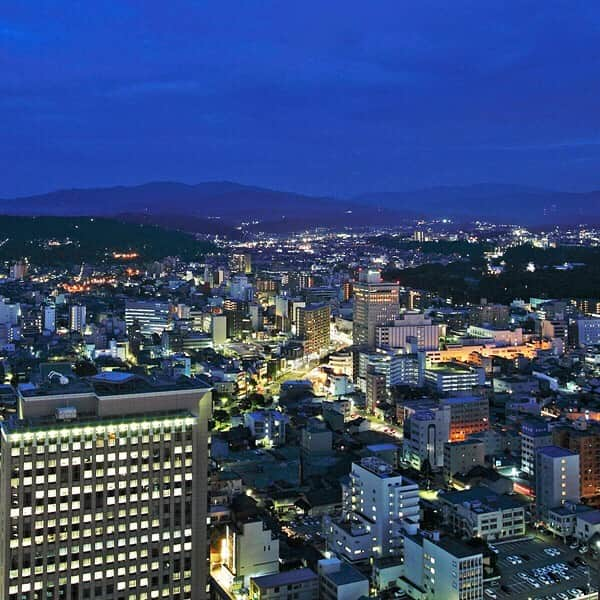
[
  {"x": 314, "y": 327},
  {"x": 241, "y": 262},
  {"x": 556, "y": 478},
  {"x": 103, "y": 490},
  {"x": 375, "y": 303},
  {"x": 152, "y": 317},
  {"x": 77, "y": 314},
  {"x": 378, "y": 502}
]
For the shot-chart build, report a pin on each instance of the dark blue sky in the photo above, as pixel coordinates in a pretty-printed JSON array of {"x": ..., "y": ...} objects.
[{"x": 328, "y": 96}]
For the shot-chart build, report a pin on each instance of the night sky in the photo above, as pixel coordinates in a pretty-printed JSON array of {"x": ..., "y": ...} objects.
[{"x": 328, "y": 96}]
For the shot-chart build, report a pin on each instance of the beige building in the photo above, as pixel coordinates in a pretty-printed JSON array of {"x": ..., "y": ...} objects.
[
  {"x": 314, "y": 327},
  {"x": 103, "y": 487},
  {"x": 461, "y": 457},
  {"x": 375, "y": 303}
]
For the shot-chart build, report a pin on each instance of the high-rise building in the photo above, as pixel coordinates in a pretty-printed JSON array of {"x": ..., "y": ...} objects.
[
  {"x": 534, "y": 435},
  {"x": 556, "y": 478},
  {"x": 412, "y": 327},
  {"x": 468, "y": 414},
  {"x": 152, "y": 317},
  {"x": 103, "y": 490},
  {"x": 375, "y": 302},
  {"x": 241, "y": 262},
  {"x": 426, "y": 431},
  {"x": 49, "y": 317},
  {"x": 585, "y": 443},
  {"x": 377, "y": 502},
  {"x": 376, "y": 391},
  {"x": 314, "y": 327},
  {"x": 77, "y": 314}
]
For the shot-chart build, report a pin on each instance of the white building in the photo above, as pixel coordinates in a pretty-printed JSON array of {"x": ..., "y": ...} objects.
[
  {"x": 453, "y": 377},
  {"x": 441, "y": 567},
  {"x": 218, "y": 329},
  {"x": 412, "y": 327},
  {"x": 481, "y": 513},
  {"x": 248, "y": 550},
  {"x": 556, "y": 478},
  {"x": 377, "y": 504},
  {"x": 501, "y": 337},
  {"x": 588, "y": 526},
  {"x": 151, "y": 316},
  {"x": 425, "y": 433},
  {"x": 399, "y": 368},
  {"x": 340, "y": 581},
  {"x": 77, "y": 315},
  {"x": 49, "y": 318},
  {"x": 534, "y": 435},
  {"x": 587, "y": 332},
  {"x": 267, "y": 427}
]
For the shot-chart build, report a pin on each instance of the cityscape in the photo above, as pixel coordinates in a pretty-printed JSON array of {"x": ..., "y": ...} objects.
[{"x": 299, "y": 302}]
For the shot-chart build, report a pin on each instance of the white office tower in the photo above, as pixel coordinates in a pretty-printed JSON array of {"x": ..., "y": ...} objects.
[
  {"x": 411, "y": 327},
  {"x": 375, "y": 303},
  {"x": 441, "y": 567},
  {"x": 377, "y": 504},
  {"x": 556, "y": 478},
  {"x": 425, "y": 433},
  {"x": 77, "y": 314},
  {"x": 103, "y": 488},
  {"x": 152, "y": 317},
  {"x": 49, "y": 318},
  {"x": 218, "y": 329}
]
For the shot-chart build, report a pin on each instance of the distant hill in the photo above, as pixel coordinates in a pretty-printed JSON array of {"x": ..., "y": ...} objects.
[
  {"x": 213, "y": 206},
  {"x": 70, "y": 240},
  {"x": 219, "y": 207},
  {"x": 496, "y": 202}
]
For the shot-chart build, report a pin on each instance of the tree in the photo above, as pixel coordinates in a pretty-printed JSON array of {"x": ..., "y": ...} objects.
[{"x": 85, "y": 368}]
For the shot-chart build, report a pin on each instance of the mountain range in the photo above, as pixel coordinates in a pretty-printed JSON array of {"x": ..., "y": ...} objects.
[{"x": 221, "y": 206}]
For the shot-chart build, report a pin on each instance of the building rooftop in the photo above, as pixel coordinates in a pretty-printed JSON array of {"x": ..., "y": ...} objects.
[
  {"x": 285, "y": 578},
  {"x": 481, "y": 499},
  {"x": 555, "y": 452},
  {"x": 109, "y": 383},
  {"x": 345, "y": 575},
  {"x": 592, "y": 517}
]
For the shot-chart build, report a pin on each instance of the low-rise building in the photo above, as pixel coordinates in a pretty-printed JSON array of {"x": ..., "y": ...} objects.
[
  {"x": 298, "y": 584},
  {"x": 480, "y": 512},
  {"x": 340, "y": 581}
]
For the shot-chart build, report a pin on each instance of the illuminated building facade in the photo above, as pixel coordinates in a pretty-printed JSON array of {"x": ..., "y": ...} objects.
[{"x": 103, "y": 491}]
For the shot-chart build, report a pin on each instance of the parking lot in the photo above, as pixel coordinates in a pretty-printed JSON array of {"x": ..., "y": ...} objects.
[
  {"x": 307, "y": 528},
  {"x": 539, "y": 574}
]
